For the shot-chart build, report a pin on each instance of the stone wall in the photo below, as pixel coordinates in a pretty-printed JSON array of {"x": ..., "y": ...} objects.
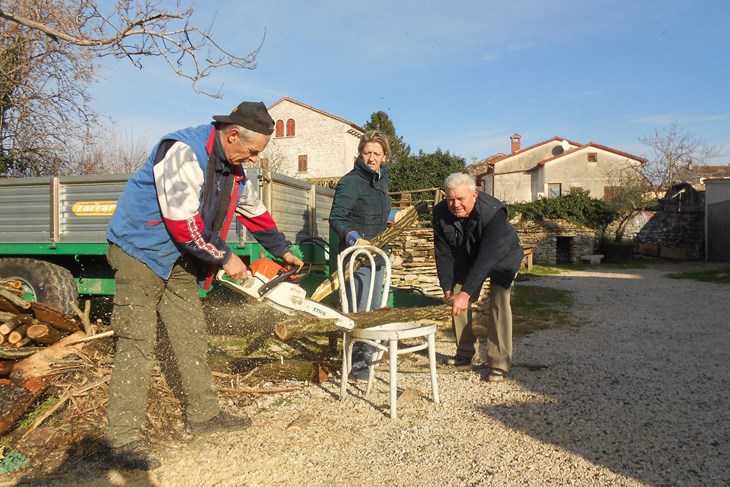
[
  {"x": 673, "y": 235},
  {"x": 547, "y": 238}
]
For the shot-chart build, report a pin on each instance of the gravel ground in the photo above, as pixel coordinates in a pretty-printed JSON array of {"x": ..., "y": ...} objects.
[{"x": 638, "y": 394}]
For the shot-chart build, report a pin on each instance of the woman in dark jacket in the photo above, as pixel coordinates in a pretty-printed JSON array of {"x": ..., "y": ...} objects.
[{"x": 360, "y": 212}]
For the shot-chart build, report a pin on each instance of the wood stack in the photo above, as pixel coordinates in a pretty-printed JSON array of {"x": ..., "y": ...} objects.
[
  {"x": 415, "y": 264},
  {"x": 26, "y": 325},
  {"x": 34, "y": 339}
]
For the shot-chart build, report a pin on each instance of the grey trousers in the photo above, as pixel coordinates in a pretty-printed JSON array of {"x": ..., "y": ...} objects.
[
  {"x": 499, "y": 329},
  {"x": 141, "y": 296}
]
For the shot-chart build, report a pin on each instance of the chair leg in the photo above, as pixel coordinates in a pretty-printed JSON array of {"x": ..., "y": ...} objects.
[
  {"x": 345, "y": 367},
  {"x": 393, "y": 361},
  {"x": 432, "y": 366},
  {"x": 374, "y": 362}
]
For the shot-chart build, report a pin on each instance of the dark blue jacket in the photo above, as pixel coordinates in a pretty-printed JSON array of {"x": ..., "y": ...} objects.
[
  {"x": 468, "y": 250},
  {"x": 361, "y": 204}
]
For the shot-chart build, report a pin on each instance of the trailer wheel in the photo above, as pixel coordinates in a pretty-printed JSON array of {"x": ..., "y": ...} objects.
[{"x": 43, "y": 281}]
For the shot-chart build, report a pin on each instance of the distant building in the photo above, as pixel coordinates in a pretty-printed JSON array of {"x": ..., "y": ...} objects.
[
  {"x": 555, "y": 167},
  {"x": 698, "y": 173},
  {"x": 309, "y": 143}
]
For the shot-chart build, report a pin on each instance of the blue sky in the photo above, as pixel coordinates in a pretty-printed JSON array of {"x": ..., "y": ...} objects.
[{"x": 460, "y": 75}]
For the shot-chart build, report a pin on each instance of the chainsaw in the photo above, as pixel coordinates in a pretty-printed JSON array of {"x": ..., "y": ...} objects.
[{"x": 275, "y": 285}]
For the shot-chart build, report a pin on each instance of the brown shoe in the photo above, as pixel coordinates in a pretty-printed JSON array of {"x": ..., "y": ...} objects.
[
  {"x": 222, "y": 422},
  {"x": 458, "y": 361},
  {"x": 495, "y": 375}
]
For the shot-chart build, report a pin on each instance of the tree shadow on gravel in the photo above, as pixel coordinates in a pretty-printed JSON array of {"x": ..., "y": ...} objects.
[{"x": 625, "y": 403}]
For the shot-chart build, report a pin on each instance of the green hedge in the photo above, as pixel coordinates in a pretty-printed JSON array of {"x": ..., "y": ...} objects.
[{"x": 576, "y": 207}]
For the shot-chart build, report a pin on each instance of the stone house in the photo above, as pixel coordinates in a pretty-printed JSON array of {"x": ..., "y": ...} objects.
[
  {"x": 309, "y": 143},
  {"x": 555, "y": 167}
]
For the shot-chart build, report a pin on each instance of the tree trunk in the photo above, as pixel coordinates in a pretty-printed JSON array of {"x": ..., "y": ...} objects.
[
  {"x": 15, "y": 400},
  {"x": 41, "y": 362},
  {"x": 303, "y": 326}
]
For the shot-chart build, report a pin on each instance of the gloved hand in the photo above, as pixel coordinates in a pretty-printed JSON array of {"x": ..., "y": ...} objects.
[
  {"x": 354, "y": 238},
  {"x": 394, "y": 216}
]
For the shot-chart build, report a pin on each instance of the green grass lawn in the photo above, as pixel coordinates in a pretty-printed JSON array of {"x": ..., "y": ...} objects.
[
  {"x": 720, "y": 276},
  {"x": 537, "y": 308}
]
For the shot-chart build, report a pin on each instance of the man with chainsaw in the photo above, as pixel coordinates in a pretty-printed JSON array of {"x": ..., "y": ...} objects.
[{"x": 167, "y": 237}]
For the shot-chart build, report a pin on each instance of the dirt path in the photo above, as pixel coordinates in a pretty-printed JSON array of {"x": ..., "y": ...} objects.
[{"x": 637, "y": 394}]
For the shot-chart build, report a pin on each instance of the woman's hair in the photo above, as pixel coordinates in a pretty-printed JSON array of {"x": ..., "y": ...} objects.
[
  {"x": 457, "y": 179},
  {"x": 374, "y": 136}
]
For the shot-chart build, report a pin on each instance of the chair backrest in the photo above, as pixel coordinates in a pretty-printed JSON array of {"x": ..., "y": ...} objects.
[{"x": 346, "y": 261}]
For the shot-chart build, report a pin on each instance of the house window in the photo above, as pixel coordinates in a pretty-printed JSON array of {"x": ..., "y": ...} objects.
[
  {"x": 610, "y": 192},
  {"x": 280, "y": 128},
  {"x": 592, "y": 157},
  {"x": 290, "y": 127},
  {"x": 554, "y": 190},
  {"x": 302, "y": 166}
]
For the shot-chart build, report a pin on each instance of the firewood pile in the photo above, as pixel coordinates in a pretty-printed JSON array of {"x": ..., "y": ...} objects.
[
  {"x": 38, "y": 342},
  {"x": 29, "y": 324}
]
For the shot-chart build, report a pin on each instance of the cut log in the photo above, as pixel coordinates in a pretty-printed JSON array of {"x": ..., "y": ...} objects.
[
  {"x": 12, "y": 353},
  {"x": 25, "y": 341},
  {"x": 410, "y": 216},
  {"x": 15, "y": 322},
  {"x": 17, "y": 335},
  {"x": 303, "y": 326},
  {"x": 6, "y": 367},
  {"x": 55, "y": 316},
  {"x": 5, "y": 315},
  {"x": 17, "y": 301},
  {"x": 40, "y": 363},
  {"x": 8, "y": 306},
  {"x": 12, "y": 285},
  {"x": 15, "y": 400},
  {"x": 42, "y": 333}
]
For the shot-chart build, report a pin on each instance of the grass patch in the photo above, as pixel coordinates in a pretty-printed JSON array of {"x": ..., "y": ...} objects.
[
  {"x": 719, "y": 276},
  {"x": 538, "y": 308}
]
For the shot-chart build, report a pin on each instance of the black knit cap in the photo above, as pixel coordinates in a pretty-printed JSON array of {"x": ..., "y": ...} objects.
[{"x": 251, "y": 115}]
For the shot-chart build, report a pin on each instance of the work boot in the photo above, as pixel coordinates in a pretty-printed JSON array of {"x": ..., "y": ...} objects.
[
  {"x": 131, "y": 456},
  {"x": 222, "y": 422},
  {"x": 458, "y": 361},
  {"x": 495, "y": 375}
]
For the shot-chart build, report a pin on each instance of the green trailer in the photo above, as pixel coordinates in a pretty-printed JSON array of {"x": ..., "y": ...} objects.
[{"x": 53, "y": 229}]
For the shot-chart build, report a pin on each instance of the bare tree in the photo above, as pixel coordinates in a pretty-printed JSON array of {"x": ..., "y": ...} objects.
[
  {"x": 673, "y": 152},
  {"x": 48, "y": 55},
  {"x": 274, "y": 159},
  {"x": 115, "y": 156},
  {"x": 132, "y": 30}
]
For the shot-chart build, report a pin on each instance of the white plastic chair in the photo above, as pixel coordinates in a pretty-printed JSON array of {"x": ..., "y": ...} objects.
[{"x": 384, "y": 338}]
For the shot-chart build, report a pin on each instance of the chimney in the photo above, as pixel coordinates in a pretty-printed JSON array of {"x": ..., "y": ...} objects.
[{"x": 515, "y": 143}]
